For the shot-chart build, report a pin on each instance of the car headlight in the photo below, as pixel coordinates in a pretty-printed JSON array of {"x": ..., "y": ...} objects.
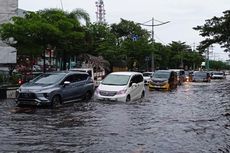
[
  {"x": 121, "y": 92},
  {"x": 46, "y": 95}
]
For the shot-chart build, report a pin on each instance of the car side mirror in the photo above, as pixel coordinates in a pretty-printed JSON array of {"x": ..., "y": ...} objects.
[
  {"x": 130, "y": 84},
  {"x": 134, "y": 84},
  {"x": 66, "y": 83}
]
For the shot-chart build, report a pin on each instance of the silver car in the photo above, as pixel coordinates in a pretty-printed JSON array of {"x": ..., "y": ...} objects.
[{"x": 56, "y": 88}]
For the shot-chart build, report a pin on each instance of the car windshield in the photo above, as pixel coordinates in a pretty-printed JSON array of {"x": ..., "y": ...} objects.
[
  {"x": 48, "y": 78},
  {"x": 200, "y": 74},
  {"x": 116, "y": 79},
  {"x": 159, "y": 74},
  {"x": 218, "y": 73}
]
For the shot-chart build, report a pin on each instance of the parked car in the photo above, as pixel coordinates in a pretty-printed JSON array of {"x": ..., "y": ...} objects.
[
  {"x": 164, "y": 80},
  {"x": 218, "y": 75},
  {"x": 26, "y": 77},
  {"x": 201, "y": 76},
  {"x": 180, "y": 75},
  {"x": 188, "y": 76},
  {"x": 55, "y": 88},
  {"x": 147, "y": 77},
  {"x": 96, "y": 76},
  {"x": 121, "y": 86}
]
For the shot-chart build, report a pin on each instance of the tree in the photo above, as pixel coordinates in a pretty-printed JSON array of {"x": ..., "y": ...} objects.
[
  {"x": 132, "y": 43},
  {"x": 182, "y": 56},
  {"x": 216, "y": 30},
  {"x": 51, "y": 28}
]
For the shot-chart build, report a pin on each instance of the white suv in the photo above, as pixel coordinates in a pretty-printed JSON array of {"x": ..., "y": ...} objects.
[{"x": 121, "y": 86}]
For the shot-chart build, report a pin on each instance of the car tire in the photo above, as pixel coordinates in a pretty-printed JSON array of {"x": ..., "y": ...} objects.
[
  {"x": 143, "y": 94},
  {"x": 56, "y": 101},
  {"x": 88, "y": 95},
  {"x": 128, "y": 99}
]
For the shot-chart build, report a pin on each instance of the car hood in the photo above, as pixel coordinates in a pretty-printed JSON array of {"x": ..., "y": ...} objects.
[
  {"x": 159, "y": 79},
  {"x": 111, "y": 87},
  {"x": 30, "y": 87}
]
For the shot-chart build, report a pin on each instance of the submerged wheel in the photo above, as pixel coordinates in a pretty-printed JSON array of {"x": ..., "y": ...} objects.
[
  {"x": 128, "y": 98},
  {"x": 88, "y": 95},
  {"x": 56, "y": 101},
  {"x": 142, "y": 94}
]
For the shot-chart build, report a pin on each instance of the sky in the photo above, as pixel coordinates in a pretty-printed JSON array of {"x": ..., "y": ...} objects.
[{"x": 182, "y": 14}]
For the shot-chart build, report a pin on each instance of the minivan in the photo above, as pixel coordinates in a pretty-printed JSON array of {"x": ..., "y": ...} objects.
[
  {"x": 180, "y": 75},
  {"x": 55, "y": 88},
  {"x": 201, "y": 76},
  {"x": 121, "y": 86},
  {"x": 163, "y": 80}
]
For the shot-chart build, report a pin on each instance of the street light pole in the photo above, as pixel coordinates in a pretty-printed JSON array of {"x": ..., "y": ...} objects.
[
  {"x": 153, "y": 41},
  {"x": 152, "y": 54}
]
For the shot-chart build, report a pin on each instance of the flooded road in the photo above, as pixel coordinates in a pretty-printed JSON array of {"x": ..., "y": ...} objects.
[{"x": 194, "y": 118}]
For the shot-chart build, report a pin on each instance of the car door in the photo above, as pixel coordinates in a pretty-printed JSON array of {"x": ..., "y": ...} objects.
[
  {"x": 134, "y": 87},
  {"x": 80, "y": 85},
  {"x": 67, "y": 90},
  {"x": 140, "y": 82}
]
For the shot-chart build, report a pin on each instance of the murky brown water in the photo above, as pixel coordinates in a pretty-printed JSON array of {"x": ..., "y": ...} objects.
[{"x": 195, "y": 118}]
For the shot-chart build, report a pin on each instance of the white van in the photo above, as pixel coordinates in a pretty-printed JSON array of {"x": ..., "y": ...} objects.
[{"x": 121, "y": 86}]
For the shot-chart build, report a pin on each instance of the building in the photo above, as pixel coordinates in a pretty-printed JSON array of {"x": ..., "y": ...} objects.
[{"x": 8, "y": 9}]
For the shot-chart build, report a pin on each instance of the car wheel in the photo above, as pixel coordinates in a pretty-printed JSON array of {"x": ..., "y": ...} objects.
[
  {"x": 56, "y": 101},
  {"x": 88, "y": 95},
  {"x": 142, "y": 94},
  {"x": 128, "y": 98}
]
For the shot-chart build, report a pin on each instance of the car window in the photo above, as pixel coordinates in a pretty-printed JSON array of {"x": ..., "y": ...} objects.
[
  {"x": 161, "y": 74},
  {"x": 70, "y": 78},
  {"x": 48, "y": 78},
  {"x": 116, "y": 79},
  {"x": 134, "y": 79},
  {"x": 139, "y": 78},
  {"x": 81, "y": 77}
]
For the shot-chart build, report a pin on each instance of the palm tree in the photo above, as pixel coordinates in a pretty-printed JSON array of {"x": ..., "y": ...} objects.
[{"x": 79, "y": 14}]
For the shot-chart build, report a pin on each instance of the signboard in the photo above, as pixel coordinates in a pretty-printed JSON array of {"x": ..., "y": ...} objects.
[
  {"x": 8, "y": 8},
  {"x": 8, "y": 55}
]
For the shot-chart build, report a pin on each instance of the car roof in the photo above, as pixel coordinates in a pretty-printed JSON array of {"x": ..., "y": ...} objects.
[
  {"x": 126, "y": 73},
  {"x": 81, "y": 69},
  {"x": 148, "y": 72},
  {"x": 164, "y": 71},
  {"x": 200, "y": 72},
  {"x": 67, "y": 72}
]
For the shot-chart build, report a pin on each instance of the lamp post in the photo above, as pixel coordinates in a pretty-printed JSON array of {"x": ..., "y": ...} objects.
[{"x": 152, "y": 25}]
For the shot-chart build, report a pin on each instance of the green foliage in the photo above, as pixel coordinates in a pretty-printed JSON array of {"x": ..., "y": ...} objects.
[
  {"x": 216, "y": 30},
  {"x": 182, "y": 56},
  {"x": 218, "y": 65},
  {"x": 122, "y": 44}
]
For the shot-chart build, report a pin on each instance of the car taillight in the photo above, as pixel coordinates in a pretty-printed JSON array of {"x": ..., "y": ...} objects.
[{"x": 19, "y": 81}]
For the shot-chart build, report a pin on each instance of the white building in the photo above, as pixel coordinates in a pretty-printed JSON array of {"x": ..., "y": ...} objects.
[{"x": 8, "y": 9}]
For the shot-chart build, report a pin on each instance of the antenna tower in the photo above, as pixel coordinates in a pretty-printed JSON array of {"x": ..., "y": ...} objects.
[{"x": 100, "y": 13}]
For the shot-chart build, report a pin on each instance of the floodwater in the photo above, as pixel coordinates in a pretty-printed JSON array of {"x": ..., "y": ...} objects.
[{"x": 194, "y": 118}]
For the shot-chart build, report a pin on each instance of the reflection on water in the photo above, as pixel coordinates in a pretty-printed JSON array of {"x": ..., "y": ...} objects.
[{"x": 193, "y": 118}]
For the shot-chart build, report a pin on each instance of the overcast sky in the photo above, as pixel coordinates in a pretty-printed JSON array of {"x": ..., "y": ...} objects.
[{"x": 182, "y": 14}]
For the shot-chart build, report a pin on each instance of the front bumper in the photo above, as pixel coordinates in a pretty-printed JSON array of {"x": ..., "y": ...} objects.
[
  {"x": 121, "y": 98},
  {"x": 159, "y": 87},
  {"x": 31, "y": 99}
]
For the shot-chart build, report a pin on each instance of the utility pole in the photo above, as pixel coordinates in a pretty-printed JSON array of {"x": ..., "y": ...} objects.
[
  {"x": 153, "y": 41},
  {"x": 152, "y": 36},
  {"x": 61, "y": 4}
]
